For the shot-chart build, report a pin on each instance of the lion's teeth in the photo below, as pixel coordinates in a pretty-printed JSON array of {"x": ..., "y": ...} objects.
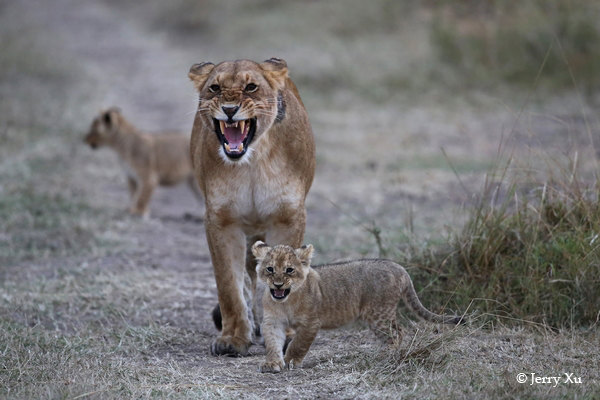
[
  {"x": 241, "y": 147},
  {"x": 227, "y": 147},
  {"x": 222, "y": 126},
  {"x": 242, "y": 123}
]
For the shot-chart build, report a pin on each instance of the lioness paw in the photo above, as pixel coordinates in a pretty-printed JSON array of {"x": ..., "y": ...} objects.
[
  {"x": 271, "y": 366},
  {"x": 228, "y": 346}
]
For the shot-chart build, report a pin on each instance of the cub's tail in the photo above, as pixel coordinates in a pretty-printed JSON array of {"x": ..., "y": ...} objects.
[{"x": 413, "y": 302}]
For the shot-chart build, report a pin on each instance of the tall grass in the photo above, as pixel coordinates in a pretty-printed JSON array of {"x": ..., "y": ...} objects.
[{"x": 528, "y": 254}]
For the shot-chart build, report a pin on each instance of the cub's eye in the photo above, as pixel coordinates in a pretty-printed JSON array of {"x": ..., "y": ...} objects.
[
  {"x": 289, "y": 270},
  {"x": 214, "y": 88},
  {"x": 251, "y": 87},
  {"x": 270, "y": 270}
]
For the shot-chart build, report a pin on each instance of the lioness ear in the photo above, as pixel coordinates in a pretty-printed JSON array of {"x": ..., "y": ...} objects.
[
  {"x": 276, "y": 72},
  {"x": 305, "y": 253},
  {"x": 260, "y": 250},
  {"x": 199, "y": 72}
]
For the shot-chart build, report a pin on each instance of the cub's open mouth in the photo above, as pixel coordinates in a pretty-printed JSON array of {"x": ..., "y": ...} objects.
[
  {"x": 279, "y": 294},
  {"x": 236, "y": 136}
]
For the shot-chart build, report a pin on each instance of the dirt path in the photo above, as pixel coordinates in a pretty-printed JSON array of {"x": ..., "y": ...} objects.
[{"x": 140, "y": 73}]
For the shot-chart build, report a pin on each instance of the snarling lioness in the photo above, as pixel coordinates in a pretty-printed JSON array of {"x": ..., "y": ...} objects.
[
  {"x": 148, "y": 160},
  {"x": 253, "y": 155},
  {"x": 300, "y": 300}
]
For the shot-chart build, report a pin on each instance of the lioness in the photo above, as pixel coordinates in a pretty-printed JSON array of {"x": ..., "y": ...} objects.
[
  {"x": 148, "y": 160},
  {"x": 298, "y": 300},
  {"x": 253, "y": 154}
]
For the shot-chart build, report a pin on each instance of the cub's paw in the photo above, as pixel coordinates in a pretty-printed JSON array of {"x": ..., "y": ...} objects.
[
  {"x": 293, "y": 363},
  {"x": 272, "y": 366},
  {"x": 137, "y": 212},
  {"x": 230, "y": 346}
]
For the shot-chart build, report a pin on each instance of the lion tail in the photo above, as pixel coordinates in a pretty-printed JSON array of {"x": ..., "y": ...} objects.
[{"x": 412, "y": 301}]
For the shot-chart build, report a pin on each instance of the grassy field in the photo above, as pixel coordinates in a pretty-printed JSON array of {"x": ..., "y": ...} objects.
[{"x": 479, "y": 175}]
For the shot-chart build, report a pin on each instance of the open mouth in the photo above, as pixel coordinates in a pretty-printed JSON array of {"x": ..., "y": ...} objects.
[
  {"x": 279, "y": 294},
  {"x": 235, "y": 136}
]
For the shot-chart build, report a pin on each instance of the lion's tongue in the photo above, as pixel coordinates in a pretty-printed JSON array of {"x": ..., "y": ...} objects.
[
  {"x": 279, "y": 292},
  {"x": 234, "y": 136}
]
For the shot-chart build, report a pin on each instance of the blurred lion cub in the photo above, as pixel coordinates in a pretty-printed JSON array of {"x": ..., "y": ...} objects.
[
  {"x": 298, "y": 300},
  {"x": 148, "y": 160}
]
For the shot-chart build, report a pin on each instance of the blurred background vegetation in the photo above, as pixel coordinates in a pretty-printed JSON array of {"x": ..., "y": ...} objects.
[
  {"x": 403, "y": 44},
  {"x": 516, "y": 41}
]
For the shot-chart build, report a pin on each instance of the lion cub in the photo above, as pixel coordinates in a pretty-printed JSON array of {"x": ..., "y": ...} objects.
[
  {"x": 299, "y": 299},
  {"x": 148, "y": 160}
]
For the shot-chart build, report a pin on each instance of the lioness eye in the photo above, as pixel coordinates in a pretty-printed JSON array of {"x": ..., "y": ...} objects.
[
  {"x": 214, "y": 88},
  {"x": 270, "y": 269},
  {"x": 251, "y": 87},
  {"x": 289, "y": 270}
]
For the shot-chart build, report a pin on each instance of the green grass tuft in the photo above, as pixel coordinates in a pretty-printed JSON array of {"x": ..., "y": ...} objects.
[{"x": 533, "y": 257}]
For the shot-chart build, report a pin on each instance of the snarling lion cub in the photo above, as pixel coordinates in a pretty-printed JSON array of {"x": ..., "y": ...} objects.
[
  {"x": 298, "y": 300},
  {"x": 148, "y": 160},
  {"x": 253, "y": 154}
]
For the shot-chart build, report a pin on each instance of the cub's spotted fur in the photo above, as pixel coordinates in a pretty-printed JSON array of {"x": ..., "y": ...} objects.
[{"x": 298, "y": 300}]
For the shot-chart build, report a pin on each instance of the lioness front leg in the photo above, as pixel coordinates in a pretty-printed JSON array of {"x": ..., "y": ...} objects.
[
  {"x": 298, "y": 347},
  {"x": 290, "y": 230},
  {"x": 274, "y": 335},
  {"x": 228, "y": 248},
  {"x": 254, "y": 300}
]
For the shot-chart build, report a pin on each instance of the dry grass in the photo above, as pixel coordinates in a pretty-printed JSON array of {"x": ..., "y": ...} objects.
[
  {"x": 108, "y": 357},
  {"x": 95, "y": 304}
]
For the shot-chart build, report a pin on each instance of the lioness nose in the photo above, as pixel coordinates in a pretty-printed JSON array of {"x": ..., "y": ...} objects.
[
  {"x": 278, "y": 285},
  {"x": 230, "y": 110}
]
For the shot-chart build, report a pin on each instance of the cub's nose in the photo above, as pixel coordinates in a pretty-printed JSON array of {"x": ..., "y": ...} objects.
[
  {"x": 230, "y": 111},
  {"x": 278, "y": 285}
]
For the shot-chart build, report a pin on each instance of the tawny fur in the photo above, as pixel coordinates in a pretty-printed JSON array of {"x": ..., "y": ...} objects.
[
  {"x": 148, "y": 160},
  {"x": 327, "y": 298},
  {"x": 259, "y": 195}
]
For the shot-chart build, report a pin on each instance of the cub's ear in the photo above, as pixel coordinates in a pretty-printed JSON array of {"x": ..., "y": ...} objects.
[
  {"x": 199, "y": 72},
  {"x": 260, "y": 250},
  {"x": 305, "y": 254},
  {"x": 276, "y": 72},
  {"x": 109, "y": 117}
]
